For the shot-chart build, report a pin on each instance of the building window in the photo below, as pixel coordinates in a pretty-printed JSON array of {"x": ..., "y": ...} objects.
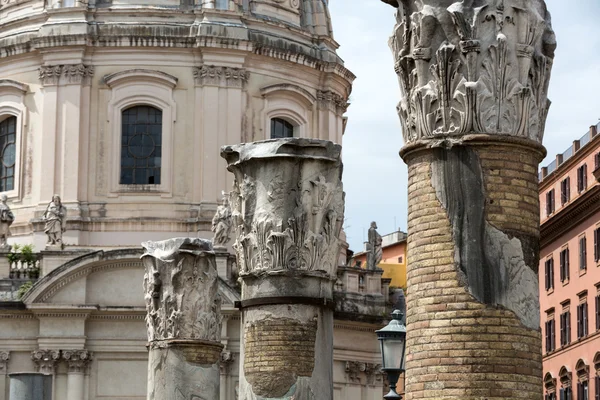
[
  {"x": 598, "y": 312},
  {"x": 141, "y": 146},
  {"x": 280, "y": 128},
  {"x": 550, "y": 396},
  {"x": 222, "y": 5},
  {"x": 549, "y": 269},
  {"x": 597, "y": 244},
  {"x": 582, "y": 253},
  {"x": 597, "y": 161},
  {"x": 8, "y": 149},
  {"x": 582, "y": 320},
  {"x": 550, "y": 336},
  {"x": 582, "y": 390},
  {"x": 582, "y": 178},
  {"x": 565, "y": 328},
  {"x": 582, "y": 380},
  {"x": 565, "y": 191},
  {"x": 550, "y": 202},
  {"x": 550, "y": 386},
  {"x": 597, "y": 379},
  {"x": 564, "y": 265}
]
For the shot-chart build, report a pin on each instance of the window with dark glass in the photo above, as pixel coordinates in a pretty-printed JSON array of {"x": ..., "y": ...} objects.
[
  {"x": 582, "y": 178},
  {"x": 582, "y": 320},
  {"x": 582, "y": 390},
  {"x": 280, "y": 128},
  {"x": 550, "y": 336},
  {"x": 141, "y": 146},
  {"x": 565, "y": 328},
  {"x": 549, "y": 269},
  {"x": 565, "y": 191},
  {"x": 564, "y": 265},
  {"x": 8, "y": 148},
  {"x": 550, "y": 202},
  {"x": 582, "y": 253},
  {"x": 550, "y": 396},
  {"x": 597, "y": 387},
  {"x": 566, "y": 393},
  {"x": 598, "y": 312},
  {"x": 597, "y": 244}
]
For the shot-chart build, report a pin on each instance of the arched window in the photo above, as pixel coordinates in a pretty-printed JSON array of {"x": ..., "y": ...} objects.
[
  {"x": 280, "y": 128},
  {"x": 141, "y": 146},
  {"x": 8, "y": 153},
  {"x": 566, "y": 391},
  {"x": 550, "y": 385}
]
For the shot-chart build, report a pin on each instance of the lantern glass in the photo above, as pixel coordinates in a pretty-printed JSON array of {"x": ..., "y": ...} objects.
[{"x": 392, "y": 352}]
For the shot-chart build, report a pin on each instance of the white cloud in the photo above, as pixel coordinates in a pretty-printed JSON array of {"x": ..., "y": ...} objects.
[{"x": 375, "y": 177}]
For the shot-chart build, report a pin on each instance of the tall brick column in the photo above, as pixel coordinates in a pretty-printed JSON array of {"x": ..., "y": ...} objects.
[
  {"x": 183, "y": 319},
  {"x": 474, "y": 78},
  {"x": 288, "y": 211}
]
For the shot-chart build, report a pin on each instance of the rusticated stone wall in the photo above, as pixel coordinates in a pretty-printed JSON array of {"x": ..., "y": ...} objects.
[{"x": 473, "y": 229}]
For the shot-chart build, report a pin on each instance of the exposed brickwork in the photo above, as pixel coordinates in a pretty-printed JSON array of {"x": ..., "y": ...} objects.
[
  {"x": 277, "y": 351},
  {"x": 457, "y": 347}
]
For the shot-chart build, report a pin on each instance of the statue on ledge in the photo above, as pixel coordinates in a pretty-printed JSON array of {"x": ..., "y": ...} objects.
[
  {"x": 6, "y": 220},
  {"x": 221, "y": 223},
  {"x": 55, "y": 222},
  {"x": 375, "y": 250}
]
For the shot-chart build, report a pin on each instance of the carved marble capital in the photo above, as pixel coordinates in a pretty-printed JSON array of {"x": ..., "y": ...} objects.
[
  {"x": 227, "y": 359},
  {"x": 330, "y": 100},
  {"x": 181, "y": 291},
  {"x": 287, "y": 206},
  {"x": 211, "y": 75},
  {"x": 45, "y": 360},
  {"x": 466, "y": 70},
  {"x": 66, "y": 74},
  {"x": 4, "y": 357},
  {"x": 77, "y": 360}
]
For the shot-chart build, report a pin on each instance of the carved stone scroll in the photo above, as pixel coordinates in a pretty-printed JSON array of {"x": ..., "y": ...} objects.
[
  {"x": 183, "y": 319},
  {"x": 45, "y": 360},
  {"x": 287, "y": 209}
]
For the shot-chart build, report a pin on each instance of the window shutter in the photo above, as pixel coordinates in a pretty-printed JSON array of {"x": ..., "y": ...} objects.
[
  {"x": 580, "y": 253},
  {"x": 562, "y": 394},
  {"x": 568, "y": 188},
  {"x": 562, "y": 329},
  {"x": 597, "y": 387},
  {"x": 562, "y": 265},
  {"x": 584, "y": 176},
  {"x": 546, "y": 275},
  {"x": 553, "y": 337},
  {"x": 579, "y": 321},
  {"x": 598, "y": 315},
  {"x": 568, "y": 321},
  {"x": 584, "y": 242},
  {"x": 596, "y": 245},
  {"x": 585, "y": 319},
  {"x": 567, "y": 262}
]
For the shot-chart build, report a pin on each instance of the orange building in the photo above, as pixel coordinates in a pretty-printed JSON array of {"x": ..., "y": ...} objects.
[
  {"x": 570, "y": 271},
  {"x": 393, "y": 261}
]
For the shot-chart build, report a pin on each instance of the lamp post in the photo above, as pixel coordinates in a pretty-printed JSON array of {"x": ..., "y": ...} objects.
[{"x": 393, "y": 346}]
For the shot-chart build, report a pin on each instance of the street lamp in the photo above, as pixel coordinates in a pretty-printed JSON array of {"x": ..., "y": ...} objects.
[{"x": 393, "y": 347}]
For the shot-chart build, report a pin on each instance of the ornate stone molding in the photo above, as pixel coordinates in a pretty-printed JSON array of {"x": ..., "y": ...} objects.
[
  {"x": 466, "y": 70},
  {"x": 287, "y": 206},
  {"x": 211, "y": 75},
  {"x": 4, "y": 358},
  {"x": 45, "y": 360},
  {"x": 372, "y": 372},
  {"x": 178, "y": 269},
  {"x": 332, "y": 101},
  {"x": 66, "y": 74},
  {"x": 227, "y": 359},
  {"x": 77, "y": 360}
]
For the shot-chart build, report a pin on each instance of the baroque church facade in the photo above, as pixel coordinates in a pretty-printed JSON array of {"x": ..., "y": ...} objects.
[{"x": 120, "y": 107}]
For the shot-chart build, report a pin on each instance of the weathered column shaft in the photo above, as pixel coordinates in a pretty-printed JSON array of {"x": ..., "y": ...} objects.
[
  {"x": 288, "y": 211},
  {"x": 77, "y": 363},
  {"x": 474, "y": 80},
  {"x": 183, "y": 319}
]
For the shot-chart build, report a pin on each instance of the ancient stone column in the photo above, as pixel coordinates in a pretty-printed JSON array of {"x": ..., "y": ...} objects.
[
  {"x": 77, "y": 362},
  {"x": 474, "y": 80},
  {"x": 183, "y": 319},
  {"x": 288, "y": 209}
]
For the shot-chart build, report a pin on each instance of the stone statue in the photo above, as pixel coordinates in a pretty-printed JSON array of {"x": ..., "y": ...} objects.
[
  {"x": 55, "y": 221},
  {"x": 6, "y": 220},
  {"x": 375, "y": 253},
  {"x": 221, "y": 223}
]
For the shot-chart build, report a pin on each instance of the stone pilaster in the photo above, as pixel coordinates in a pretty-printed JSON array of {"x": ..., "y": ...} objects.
[
  {"x": 45, "y": 360},
  {"x": 183, "y": 319},
  {"x": 77, "y": 363},
  {"x": 474, "y": 83},
  {"x": 288, "y": 210},
  {"x": 4, "y": 358}
]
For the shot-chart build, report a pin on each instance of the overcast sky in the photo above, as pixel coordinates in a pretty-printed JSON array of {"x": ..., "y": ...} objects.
[{"x": 374, "y": 175}]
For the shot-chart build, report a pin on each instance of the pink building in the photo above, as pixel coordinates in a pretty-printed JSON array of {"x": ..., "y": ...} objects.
[{"x": 570, "y": 271}]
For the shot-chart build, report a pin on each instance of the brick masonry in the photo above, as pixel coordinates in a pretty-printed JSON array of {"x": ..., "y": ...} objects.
[
  {"x": 277, "y": 351},
  {"x": 458, "y": 347}
]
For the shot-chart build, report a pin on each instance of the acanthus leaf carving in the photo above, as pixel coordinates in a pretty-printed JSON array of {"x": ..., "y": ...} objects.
[
  {"x": 465, "y": 69},
  {"x": 77, "y": 360},
  {"x": 45, "y": 360}
]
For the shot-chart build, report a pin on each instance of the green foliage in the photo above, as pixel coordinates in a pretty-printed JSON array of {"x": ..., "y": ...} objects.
[
  {"x": 14, "y": 255},
  {"x": 27, "y": 255},
  {"x": 24, "y": 288}
]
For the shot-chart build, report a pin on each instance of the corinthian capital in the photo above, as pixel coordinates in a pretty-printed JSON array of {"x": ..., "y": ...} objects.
[
  {"x": 467, "y": 69},
  {"x": 4, "y": 357},
  {"x": 211, "y": 75},
  {"x": 77, "y": 360},
  {"x": 181, "y": 292},
  {"x": 287, "y": 206},
  {"x": 45, "y": 360}
]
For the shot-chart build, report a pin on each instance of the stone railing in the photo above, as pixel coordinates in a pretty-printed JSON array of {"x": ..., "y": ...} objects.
[
  {"x": 19, "y": 269},
  {"x": 360, "y": 292}
]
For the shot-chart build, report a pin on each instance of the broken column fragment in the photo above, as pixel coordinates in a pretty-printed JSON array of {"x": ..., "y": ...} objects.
[
  {"x": 288, "y": 210},
  {"x": 474, "y": 81},
  {"x": 183, "y": 319}
]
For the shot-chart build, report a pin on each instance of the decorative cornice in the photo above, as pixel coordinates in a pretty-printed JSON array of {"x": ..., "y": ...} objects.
[
  {"x": 77, "y": 360},
  {"x": 211, "y": 75},
  {"x": 66, "y": 74},
  {"x": 9, "y": 84},
  {"x": 4, "y": 357},
  {"x": 332, "y": 101},
  {"x": 139, "y": 74},
  {"x": 45, "y": 360}
]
